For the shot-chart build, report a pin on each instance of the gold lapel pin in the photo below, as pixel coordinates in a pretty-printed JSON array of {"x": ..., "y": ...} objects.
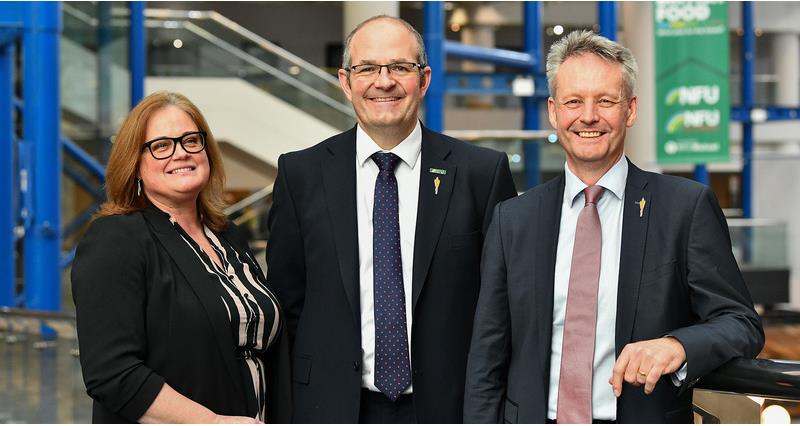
[
  {"x": 641, "y": 204},
  {"x": 436, "y": 183}
]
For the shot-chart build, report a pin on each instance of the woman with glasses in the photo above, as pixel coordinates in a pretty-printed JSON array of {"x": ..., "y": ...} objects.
[{"x": 176, "y": 323}]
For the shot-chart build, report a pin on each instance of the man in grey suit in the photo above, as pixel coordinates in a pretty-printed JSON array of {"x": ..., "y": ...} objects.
[{"x": 608, "y": 291}]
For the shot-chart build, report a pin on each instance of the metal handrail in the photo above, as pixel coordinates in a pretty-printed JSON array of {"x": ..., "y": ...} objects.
[
  {"x": 767, "y": 378},
  {"x": 499, "y": 135},
  {"x": 752, "y": 222},
  {"x": 263, "y": 66},
  {"x": 79, "y": 15},
  {"x": 250, "y": 200},
  {"x": 171, "y": 20},
  {"x": 171, "y": 15},
  {"x": 244, "y": 32}
]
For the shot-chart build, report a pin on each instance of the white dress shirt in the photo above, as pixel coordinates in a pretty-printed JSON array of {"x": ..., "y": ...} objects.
[
  {"x": 407, "y": 174},
  {"x": 609, "y": 207}
]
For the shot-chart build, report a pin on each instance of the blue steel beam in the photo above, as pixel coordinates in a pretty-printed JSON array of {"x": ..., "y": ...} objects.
[
  {"x": 496, "y": 83},
  {"x": 433, "y": 13},
  {"x": 748, "y": 69},
  {"x": 505, "y": 57},
  {"x": 532, "y": 31},
  {"x": 41, "y": 126},
  {"x": 137, "y": 51},
  {"x": 94, "y": 190},
  {"x": 607, "y": 18},
  {"x": 8, "y": 273},
  {"x": 739, "y": 113},
  {"x": 84, "y": 159}
]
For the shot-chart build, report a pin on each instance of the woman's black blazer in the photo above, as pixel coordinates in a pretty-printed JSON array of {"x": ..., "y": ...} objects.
[{"x": 147, "y": 315}]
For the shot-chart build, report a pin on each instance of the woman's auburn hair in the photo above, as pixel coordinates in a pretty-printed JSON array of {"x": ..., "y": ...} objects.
[{"x": 126, "y": 153}]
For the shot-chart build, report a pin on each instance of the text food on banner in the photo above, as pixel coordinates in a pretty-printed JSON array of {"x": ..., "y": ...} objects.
[{"x": 692, "y": 81}]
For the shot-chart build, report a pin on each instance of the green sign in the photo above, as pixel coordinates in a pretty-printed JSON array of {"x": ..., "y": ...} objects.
[{"x": 692, "y": 89}]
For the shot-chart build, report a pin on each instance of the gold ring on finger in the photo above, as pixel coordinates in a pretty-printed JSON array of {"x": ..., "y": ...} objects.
[{"x": 642, "y": 373}]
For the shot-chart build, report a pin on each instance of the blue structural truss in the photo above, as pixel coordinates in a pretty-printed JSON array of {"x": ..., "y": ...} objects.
[
  {"x": 31, "y": 150},
  {"x": 529, "y": 63},
  {"x": 31, "y": 191}
]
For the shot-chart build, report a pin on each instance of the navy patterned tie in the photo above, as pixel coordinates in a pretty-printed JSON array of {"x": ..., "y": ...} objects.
[{"x": 392, "y": 365}]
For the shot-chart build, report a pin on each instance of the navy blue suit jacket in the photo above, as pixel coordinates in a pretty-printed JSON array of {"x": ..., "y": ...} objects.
[
  {"x": 677, "y": 276},
  {"x": 313, "y": 265}
]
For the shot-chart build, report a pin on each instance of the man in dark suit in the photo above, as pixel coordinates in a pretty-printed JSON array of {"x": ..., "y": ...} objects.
[
  {"x": 375, "y": 245},
  {"x": 608, "y": 291}
]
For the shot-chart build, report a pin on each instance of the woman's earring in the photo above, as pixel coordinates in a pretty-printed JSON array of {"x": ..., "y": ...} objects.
[{"x": 138, "y": 187}]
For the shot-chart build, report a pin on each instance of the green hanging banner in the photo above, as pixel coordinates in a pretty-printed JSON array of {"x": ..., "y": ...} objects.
[{"x": 692, "y": 88}]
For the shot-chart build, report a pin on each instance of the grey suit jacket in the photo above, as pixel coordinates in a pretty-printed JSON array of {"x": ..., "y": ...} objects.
[{"x": 677, "y": 277}]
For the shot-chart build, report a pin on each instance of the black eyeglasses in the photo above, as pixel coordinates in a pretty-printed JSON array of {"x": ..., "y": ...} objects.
[
  {"x": 397, "y": 69},
  {"x": 163, "y": 148}
]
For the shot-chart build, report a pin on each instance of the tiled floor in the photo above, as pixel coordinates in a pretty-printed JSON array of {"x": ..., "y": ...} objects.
[{"x": 41, "y": 383}]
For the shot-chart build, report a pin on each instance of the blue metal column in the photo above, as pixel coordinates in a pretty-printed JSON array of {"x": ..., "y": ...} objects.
[
  {"x": 41, "y": 126},
  {"x": 701, "y": 174},
  {"x": 748, "y": 68},
  {"x": 433, "y": 17},
  {"x": 8, "y": 273},
  {"x": 532, "y": 43},
  {"x": 137, "y": 51},
  {"x": 607, "y": 18}
]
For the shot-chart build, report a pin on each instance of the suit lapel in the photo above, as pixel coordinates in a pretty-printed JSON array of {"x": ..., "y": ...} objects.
[
  {"x": 634, "y": 237},
  {"x": 197, "y": 277},
  {"x": 546, "y": 240},
  {"x": 432, "y": 207},
  {"x": 339, "y": 181}
]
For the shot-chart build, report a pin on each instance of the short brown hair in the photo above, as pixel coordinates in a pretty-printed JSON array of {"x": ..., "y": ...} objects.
[{"x": 126, "y": 153}]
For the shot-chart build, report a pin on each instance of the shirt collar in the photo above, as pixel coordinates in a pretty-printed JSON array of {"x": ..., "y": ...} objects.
[
  {"x": 408, "y": 150},
  {"x": 613, "y": 180}
]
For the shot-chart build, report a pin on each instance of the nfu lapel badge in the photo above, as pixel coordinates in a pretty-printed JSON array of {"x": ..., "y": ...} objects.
[
  {"x": 436, "y": 180},
  {"x": 641, "y": 204}
]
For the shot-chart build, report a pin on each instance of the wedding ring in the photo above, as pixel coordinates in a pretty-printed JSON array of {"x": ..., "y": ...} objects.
[{"x": 642, "y": 373}]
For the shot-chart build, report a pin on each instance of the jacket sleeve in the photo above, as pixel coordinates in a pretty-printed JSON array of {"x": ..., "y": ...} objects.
[
  {"x": 502, "y": 188},
  {"x": 727, "y": 326},
  {"x": 489, "y": 353},
  {"x": 109, "y": 289},
  {"x": 286, "y": 270}
]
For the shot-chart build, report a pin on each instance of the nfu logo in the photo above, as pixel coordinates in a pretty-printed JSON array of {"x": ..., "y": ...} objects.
[
  {"x": 701, "y": 119},
  {"x": 684, "y": 12},
  {"x": 693, "y": 95}
]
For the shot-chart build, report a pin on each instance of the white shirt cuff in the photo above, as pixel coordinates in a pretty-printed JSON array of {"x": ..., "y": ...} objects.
[{"x": 679, "y": 376}]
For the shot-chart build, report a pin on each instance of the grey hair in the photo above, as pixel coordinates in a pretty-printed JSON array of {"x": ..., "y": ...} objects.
[
  {"x": 579, "y": 42},
  {"x": 422, "y": 57}
]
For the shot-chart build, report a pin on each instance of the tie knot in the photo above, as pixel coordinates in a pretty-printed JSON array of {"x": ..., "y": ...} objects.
[
  {"x": 386, "y": 161},
  {"x": 592, "y": 194}
]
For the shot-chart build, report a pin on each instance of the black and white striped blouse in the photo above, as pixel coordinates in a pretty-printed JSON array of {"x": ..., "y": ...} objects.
[{"x": 251, "y": 306}]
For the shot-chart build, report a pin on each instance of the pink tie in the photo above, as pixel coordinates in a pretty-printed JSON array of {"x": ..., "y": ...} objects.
[{"x": 577, "y": 348}]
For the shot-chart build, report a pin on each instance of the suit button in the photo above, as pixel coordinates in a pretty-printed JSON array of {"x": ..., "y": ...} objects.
[{"x": 356, "y": 366}]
